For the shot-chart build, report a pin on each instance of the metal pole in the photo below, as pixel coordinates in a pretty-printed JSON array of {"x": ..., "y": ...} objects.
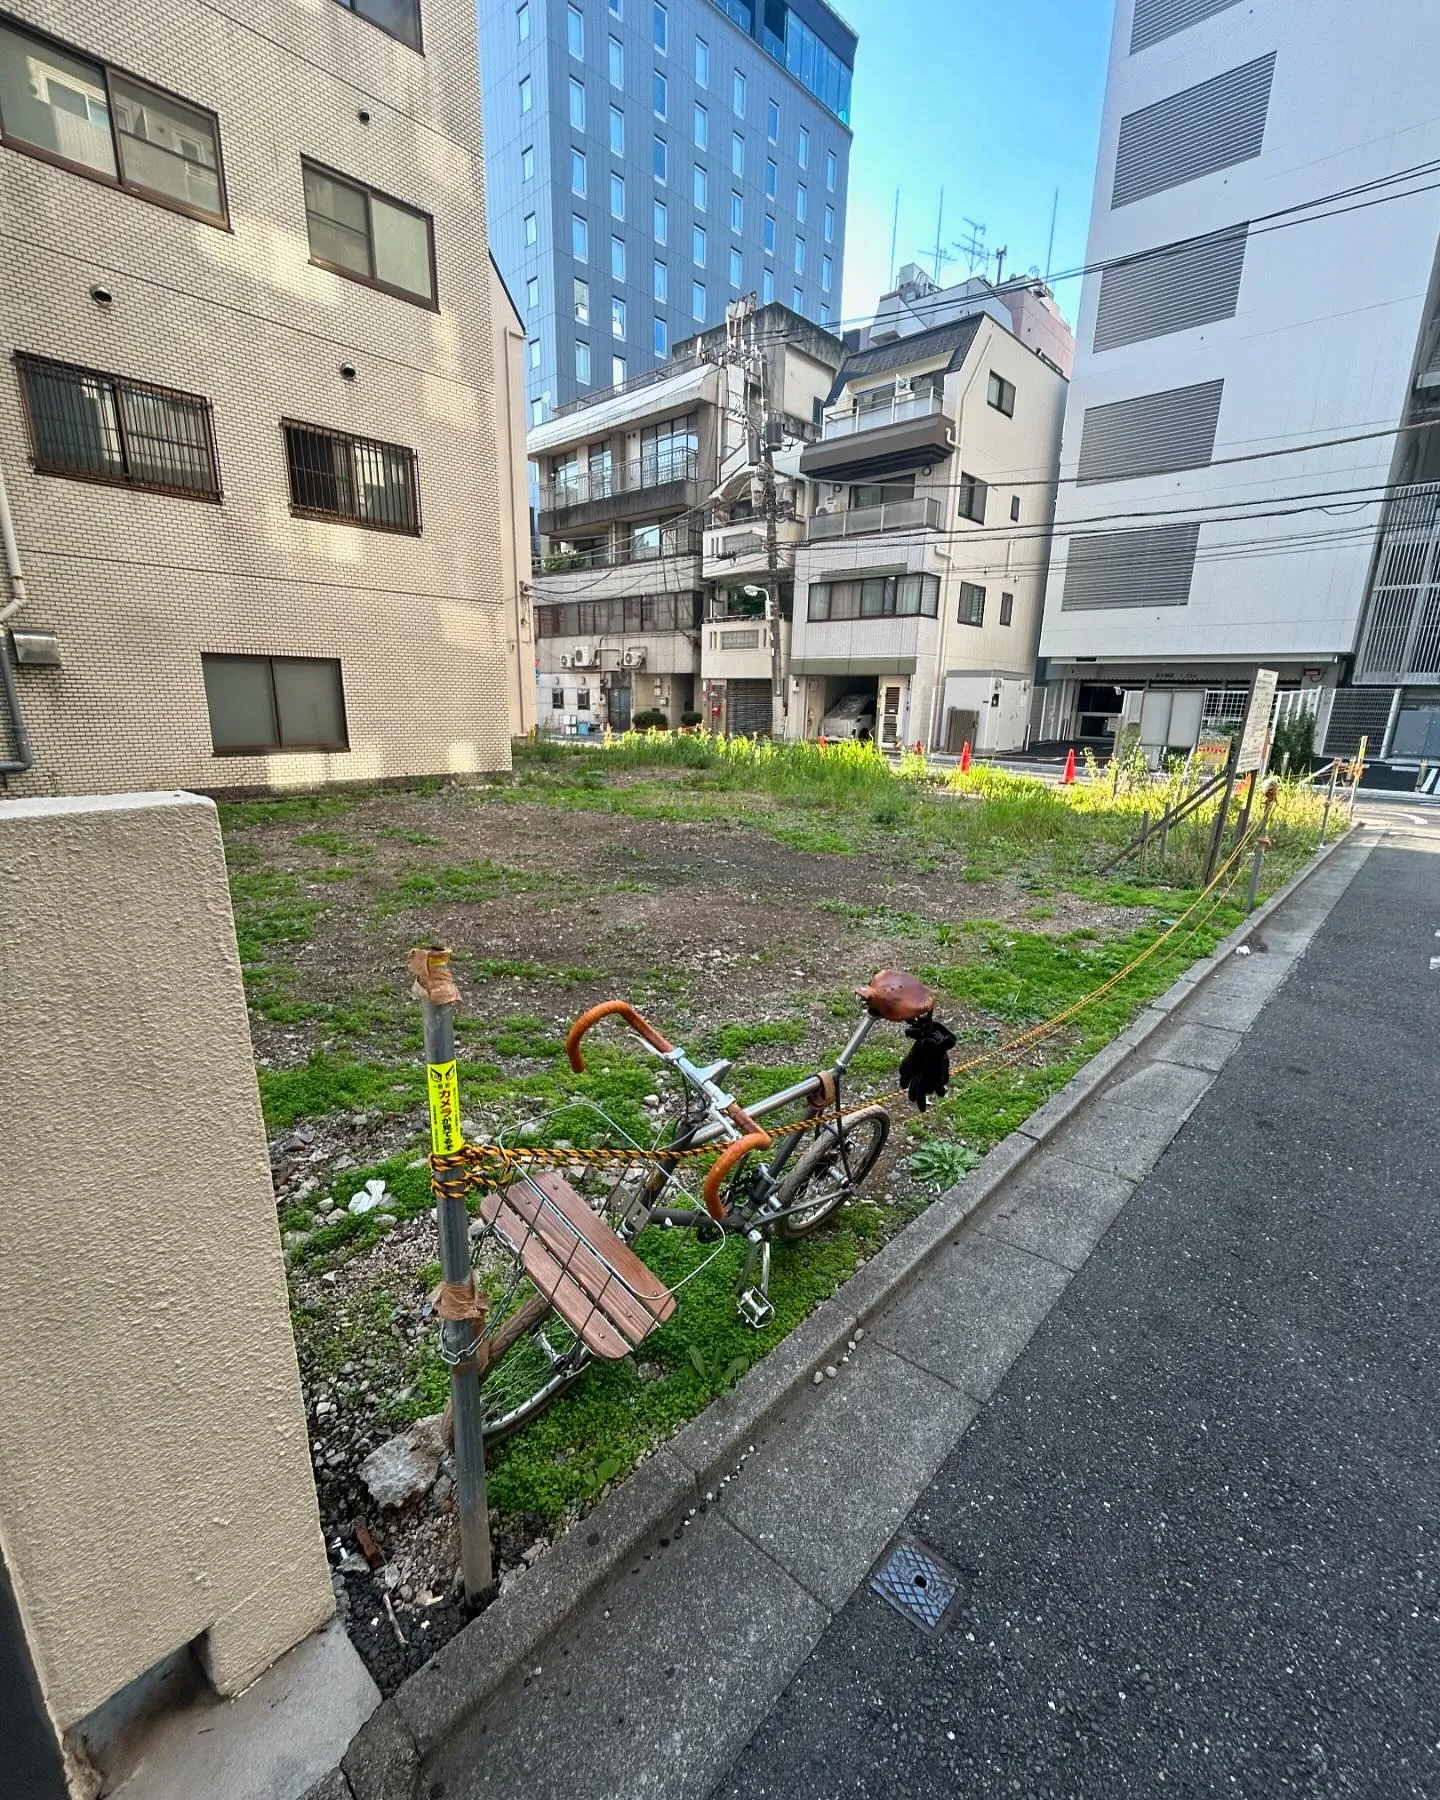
[
  {"x": 1144, "y": 838},
  {"x": 1329, "y": 799},
  {"x": 460, "y": 1309},
  {"x": 1262, "y": 844},
  {"x": 1357, "y": 770}
]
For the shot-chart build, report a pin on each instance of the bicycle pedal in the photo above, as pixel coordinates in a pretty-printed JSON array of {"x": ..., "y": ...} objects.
[{"x": 754, "y": 1307}]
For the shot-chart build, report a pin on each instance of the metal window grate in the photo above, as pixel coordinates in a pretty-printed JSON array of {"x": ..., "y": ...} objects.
[
  {"x": 1152, "y": 566},
  {"x": 1150, "y": 434},
  {"x": 1210, "y": 126},
  {"x": 919, "y": 1584},
  {"x": 1172, "y": 289},
  {"x": 359, "y": 480},
  {"x": 96, "y": 427},
  {"x": 1159, "y": 19}
]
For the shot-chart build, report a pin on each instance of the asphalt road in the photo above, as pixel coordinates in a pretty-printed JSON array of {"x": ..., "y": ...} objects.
[{"x": 1198, "y": 1526}]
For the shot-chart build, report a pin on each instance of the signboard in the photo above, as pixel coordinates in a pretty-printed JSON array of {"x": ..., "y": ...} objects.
[{"x": 1255, "y": 739}]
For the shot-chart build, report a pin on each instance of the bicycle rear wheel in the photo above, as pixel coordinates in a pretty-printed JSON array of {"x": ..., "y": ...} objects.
[{"x": 819, "y": 1184}]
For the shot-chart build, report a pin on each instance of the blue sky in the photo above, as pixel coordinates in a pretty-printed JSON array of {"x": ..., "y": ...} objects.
[{"x": 1000, "y": 104}]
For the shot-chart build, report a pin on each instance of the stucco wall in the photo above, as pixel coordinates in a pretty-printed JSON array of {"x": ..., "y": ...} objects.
[{"x": 155, "y": 1482}]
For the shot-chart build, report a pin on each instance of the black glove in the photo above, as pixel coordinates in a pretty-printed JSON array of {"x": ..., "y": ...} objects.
[{"x": 926, "y": 1068}]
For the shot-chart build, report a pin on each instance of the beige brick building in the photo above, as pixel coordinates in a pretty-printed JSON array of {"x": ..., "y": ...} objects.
[{"x": 286, "y": 567}]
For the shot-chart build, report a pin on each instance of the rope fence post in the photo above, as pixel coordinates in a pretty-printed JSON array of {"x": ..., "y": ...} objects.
[
  {"x": 461, "y": 1310},
  {"x": 1329, "y": 800},
  {"x": 1262, "y": 844},
  {"x": 1357, "y": 769}
]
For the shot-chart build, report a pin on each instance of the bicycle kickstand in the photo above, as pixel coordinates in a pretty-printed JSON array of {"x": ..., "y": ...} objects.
[{"x": 753, "y": 1302}]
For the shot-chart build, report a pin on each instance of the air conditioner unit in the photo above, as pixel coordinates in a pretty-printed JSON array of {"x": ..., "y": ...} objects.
[
  {"x": 634, "y": 659},
  {"x": 564, "y": 662},
  {"x": 580, "y": 656}
]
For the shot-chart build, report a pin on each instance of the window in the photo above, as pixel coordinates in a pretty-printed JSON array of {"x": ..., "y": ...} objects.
[
  {"x": 582, "y": 699},
  {"x": 582, "y": 362},
  {"x": 874, "y": 597},
  {"x": 100, "y": 123},
  {"x": 527, "y": 94},
  {"x": 661, "y": 284},
  {"x": 617, "y": 196},
  {"x": 617, "y": 63},
  {"x": 701, "y": 187},
  {"x": 660, "y": 159},
  {"x": 532, "y": 293},
  {"x": 702, "y": 127},
  {"x": 369, "y": 237},
  {"x": 557, "y": 699},
  {"x": 772, "y": 121},
  {"x": 824, "y": 319},
  {"x": 832, "y": 170},
  {"x": 804, "y": 154},
  {"x": 575, "y": 31},
  {"x": 662, "y": 27},
  {"x": 537, "y": 412},
  {"x": 1015, "y": 509},
  {"x": 660, "y": 228},
  {"x": 737, "y": 212},
  {"x": 772, "y": 178},
  {"x": 660, "y": 96},
  {"x": 522, "y": 24},
  {"x": 697, "y": 301},
  {"x": 668, "y": 451},
  {"x": 615, "y": 7},
  {"x": 531, "y": 228},
  {"x": 697, "y": 245},
  {"x": 736, "y": 269},
  {"x": 96, "y": 427},
  {"x": 527, "y": 163},
  {"x": 532, "y": 353},
  {"x": 577, "y": 104},
  {"x": 802, "y": 203},
  {"x": 1007, "y": 608},
  {"x": 973, "y": 494},
  {"x": 1002, "y": 395},
  {"x": 702, "y": 63},
  {"x": 737, "y": 95},
  {"x": 400, "y": 18},
  {"x": 577, "y": 172},
  {"x": 797, "y": 300},
  {"x": 737, "y": 153},
  {"x": 582, "y": 301},
  {"x": 334, "y": 476},
  {"x": 263, "y": 703},
  {"x": 972, "y": 604},
  {"x": 799, "y": 256},
  {"x": 579, "y": 238},
  {"x": 769, "y": 235},
  {"x": 767, "y": 286},
  {"x": 662, "y": 338},
  {"x": 617, "y": 371},
  {"x": 617, "y": 318},
  {"x": 617, "y": 131},
  {"x": 827, "y": 270},
  {"x": 829, "y": 224},
  {"x": 617, "y": 258}
]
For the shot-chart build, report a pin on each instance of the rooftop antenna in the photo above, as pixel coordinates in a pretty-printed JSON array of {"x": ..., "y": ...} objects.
[
  {"x": 1000, "y": 256},
  {"x": 894, "y": 231},
  {"x": 939, "y": 226},
  {"x": 972, "y": 248},
  {"x": 1050, "y": 247}
]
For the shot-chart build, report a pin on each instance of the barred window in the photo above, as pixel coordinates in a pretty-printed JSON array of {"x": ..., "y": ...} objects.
[
  {"x": 365, "y": 235},
  {"x": 98, "y": 122},
  {"x": 96, "y": 427},
  {"x": 335, "y": 476},
  {"x": 972, "y": 604},
  {"x": 259, "y": 704}
]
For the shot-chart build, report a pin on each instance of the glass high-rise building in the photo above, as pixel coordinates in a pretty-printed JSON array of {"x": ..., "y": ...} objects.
[{"x": 647, "y": 161}]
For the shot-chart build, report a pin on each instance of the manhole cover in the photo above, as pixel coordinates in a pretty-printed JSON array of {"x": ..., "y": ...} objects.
[{"x": 917, "y": 1583}]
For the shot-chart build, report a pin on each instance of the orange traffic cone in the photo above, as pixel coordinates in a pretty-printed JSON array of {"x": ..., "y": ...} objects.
[
  {"x": 1069, "y": 775},
  {"x": 964, "y": 757}
]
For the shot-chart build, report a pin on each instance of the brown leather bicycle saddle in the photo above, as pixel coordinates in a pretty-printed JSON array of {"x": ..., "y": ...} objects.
[{"x": 895, "y": 994}]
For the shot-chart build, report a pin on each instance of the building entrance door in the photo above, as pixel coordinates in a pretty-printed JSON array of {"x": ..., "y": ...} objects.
[
  {"x": 620, "y": 707},
  {"x": 892, "y": 718}
]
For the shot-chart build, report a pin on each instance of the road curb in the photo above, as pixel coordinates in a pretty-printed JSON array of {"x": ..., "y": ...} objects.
[{"x": 385, "y": 1760}]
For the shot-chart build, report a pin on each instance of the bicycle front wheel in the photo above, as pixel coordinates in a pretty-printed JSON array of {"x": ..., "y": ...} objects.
[
  {"x": 825, "y": 1177},
  {"x": 529, "y": 1358}
]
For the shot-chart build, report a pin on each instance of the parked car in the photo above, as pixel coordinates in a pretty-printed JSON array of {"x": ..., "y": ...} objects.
[{"x": 852, "y": 717}]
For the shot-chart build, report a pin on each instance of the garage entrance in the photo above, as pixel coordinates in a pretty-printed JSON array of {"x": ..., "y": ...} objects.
[{"x": 748, "y": 708}]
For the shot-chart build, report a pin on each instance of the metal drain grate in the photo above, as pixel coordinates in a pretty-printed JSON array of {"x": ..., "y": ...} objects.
[{"x": 918, "y": 1584}]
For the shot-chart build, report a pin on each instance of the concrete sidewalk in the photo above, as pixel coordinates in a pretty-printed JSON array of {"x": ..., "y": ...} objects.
[{"x": 654, "y": 1686}]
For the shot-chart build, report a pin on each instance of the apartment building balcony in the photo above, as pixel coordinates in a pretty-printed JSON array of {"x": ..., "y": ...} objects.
[
  {"x": 919, "y": 514},
  {"x": 1400, "y": 641},
  {"x": 738, "y": 551},
  {"x": 590, "y": 497},
  {"x": 861, "y": 443},
  {"x": 735, "y": 647}
]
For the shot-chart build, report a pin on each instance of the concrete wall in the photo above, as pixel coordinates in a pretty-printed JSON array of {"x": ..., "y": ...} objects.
[
  {"x": 507, "y": 335},
  {"x": 155, "y": 1483},
  {"x": 139, "y": 585}
]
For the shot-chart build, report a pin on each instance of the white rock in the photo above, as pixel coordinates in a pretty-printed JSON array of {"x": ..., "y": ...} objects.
[
  {"x": 404, "y": 1466},
  {"x": 819, "y": 1377},
  {"x": 859, "y": 1333},
  {"x": 830, "y": 1371}
]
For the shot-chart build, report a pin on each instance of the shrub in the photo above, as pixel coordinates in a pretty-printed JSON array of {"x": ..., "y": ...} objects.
[
  {"x": 652, "y": 719},
  {"x": 1294, "y": 737},
  {"x": 691, "y": 717}
]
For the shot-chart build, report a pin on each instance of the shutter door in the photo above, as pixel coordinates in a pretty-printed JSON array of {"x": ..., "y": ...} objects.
[
  {"x": 1157, "y": 19},
  {"x": 1151, "y": 434},
  {"x": 1175, "y": 289},
  {"x": 747, "y": 708},
  {"x": 1150, "y": 567},
  {"x": 1211, "y": 126}
]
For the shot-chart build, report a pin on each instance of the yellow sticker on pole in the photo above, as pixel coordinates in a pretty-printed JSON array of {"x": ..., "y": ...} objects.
[{"x": 446, "y": 1136}]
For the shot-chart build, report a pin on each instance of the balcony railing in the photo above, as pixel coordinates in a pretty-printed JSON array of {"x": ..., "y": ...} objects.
[
  {"x": 603, "y": 481},
  {"x": 676, "y": 541},
  {"x": 871, "y": 416},
  {"x": 1401, "y": 640},
  {"x": 922, "y": 514}
]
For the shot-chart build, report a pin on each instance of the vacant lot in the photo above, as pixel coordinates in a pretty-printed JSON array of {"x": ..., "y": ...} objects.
[{"x": 736, "y": 898}]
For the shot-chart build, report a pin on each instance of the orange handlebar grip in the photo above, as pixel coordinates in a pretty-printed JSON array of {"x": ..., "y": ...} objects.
[
  {"x": 621, "y": 1009},
  {"x": 724, "y": 1163}
]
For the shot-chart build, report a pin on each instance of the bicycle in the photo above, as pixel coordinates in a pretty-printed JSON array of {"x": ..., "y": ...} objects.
[{"x": 564, "y": 1283}]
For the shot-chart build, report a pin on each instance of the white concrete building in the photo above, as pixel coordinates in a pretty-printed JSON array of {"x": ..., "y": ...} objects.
[
  {"x": 919, "y": 581},
  {"x": 1251, "y": 468}
]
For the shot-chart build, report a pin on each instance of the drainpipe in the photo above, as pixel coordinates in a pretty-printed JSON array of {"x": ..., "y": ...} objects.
[
  {"x": 1391, "y": 723},
  {"x": 24, "y": 758}
]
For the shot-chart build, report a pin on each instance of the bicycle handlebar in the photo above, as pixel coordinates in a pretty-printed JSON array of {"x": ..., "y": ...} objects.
[
  {"x": 724, "y": 1163},
  {"x": 621, "y": 1009}
]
